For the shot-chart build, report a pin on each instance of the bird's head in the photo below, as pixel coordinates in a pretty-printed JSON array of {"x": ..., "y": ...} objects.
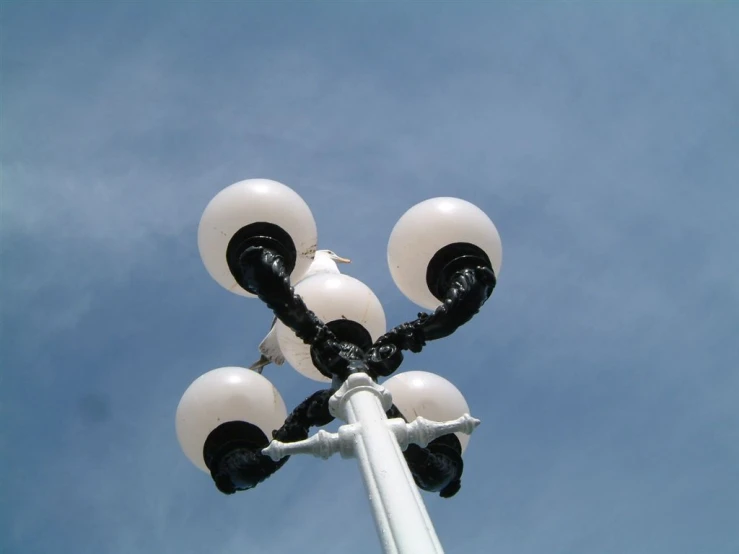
[{"x": 333, "y": 256}]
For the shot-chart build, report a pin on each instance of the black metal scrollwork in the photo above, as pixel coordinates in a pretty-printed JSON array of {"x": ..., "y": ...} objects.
[
  {"x": 438, "y": 467},
  {"x": 233, "y": 451},
  {"x": 468, "y": 290},
  {"x": 264, "y": 272}
]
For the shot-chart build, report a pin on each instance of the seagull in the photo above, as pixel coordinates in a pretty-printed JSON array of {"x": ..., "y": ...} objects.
[{"x": 324, "y": 262}]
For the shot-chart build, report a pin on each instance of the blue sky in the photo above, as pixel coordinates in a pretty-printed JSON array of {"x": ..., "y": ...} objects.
[{"x": 601, "y": 138}]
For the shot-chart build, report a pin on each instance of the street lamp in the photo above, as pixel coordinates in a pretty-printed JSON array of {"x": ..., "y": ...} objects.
[{"x": 257, "y": 238}]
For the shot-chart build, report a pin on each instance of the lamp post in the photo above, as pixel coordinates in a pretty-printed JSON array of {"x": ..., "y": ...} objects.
[{"x": 257, "y": 238}]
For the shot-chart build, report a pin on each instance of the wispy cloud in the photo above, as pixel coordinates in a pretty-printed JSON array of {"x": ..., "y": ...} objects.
[{"x": 600, "y": 139}]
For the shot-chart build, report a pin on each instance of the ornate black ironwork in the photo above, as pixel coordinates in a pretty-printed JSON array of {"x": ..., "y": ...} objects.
[
  {"x": 450, "y": 259},
  {"x": 462, "y": 278},
  {"x": 266, "y": 235},
  {"x": 439, "y": 466},
  {"x": 264, "y": 273},
  {"x": 337, "y": 359},
  {"x": 233, "y": 451},
  {"x": 468, "y": 290}
]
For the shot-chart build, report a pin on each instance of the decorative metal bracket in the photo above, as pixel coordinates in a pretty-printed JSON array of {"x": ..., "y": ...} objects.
[
  {"x": 432, "y": 452},
  {"x": 265, "y": 273},
  {"x": 324, "y": 444}
]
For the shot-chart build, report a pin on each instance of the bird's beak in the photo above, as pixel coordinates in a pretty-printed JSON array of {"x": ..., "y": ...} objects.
[{"x": 342, "y": 260}]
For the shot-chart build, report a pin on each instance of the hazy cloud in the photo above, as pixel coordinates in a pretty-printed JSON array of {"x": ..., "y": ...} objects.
[{"x": 601, "y": 140}]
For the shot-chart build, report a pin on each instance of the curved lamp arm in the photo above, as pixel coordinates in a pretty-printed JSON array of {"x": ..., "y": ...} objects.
[
  {"x": 243, "y": 466},
  {"x": 265, "y": 274},
  {"x": 468, "y": 291},
  {"x": 435, "y": 468}
]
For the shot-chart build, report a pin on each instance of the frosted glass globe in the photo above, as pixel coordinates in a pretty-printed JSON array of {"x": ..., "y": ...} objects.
[
  {"x": 331, "y": 297},
  {"x": 424, "y": 394},
  {"x": 222, "y": 395},
  {"x": 428, "y": 227},
  {"x": 248, "y": 202}
]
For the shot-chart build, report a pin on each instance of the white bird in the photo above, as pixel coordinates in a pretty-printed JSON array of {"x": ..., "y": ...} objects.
[{"x": 323, "y": 262}]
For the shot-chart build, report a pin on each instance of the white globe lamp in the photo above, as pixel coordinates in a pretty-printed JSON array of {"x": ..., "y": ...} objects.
[
  {"x": 221, "y": 396},
  {"x": 427, "y": 395},
  {"x": 250, "y": 212},
  {"x": 346, "y": 305},
  {"x": 435, "y": 237}
]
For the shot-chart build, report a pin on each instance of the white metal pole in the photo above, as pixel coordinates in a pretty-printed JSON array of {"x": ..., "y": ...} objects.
[{"x": 402, "y": 521}]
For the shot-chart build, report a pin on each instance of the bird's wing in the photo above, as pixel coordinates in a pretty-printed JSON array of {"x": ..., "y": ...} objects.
[{"x": 270, "y": 348}]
